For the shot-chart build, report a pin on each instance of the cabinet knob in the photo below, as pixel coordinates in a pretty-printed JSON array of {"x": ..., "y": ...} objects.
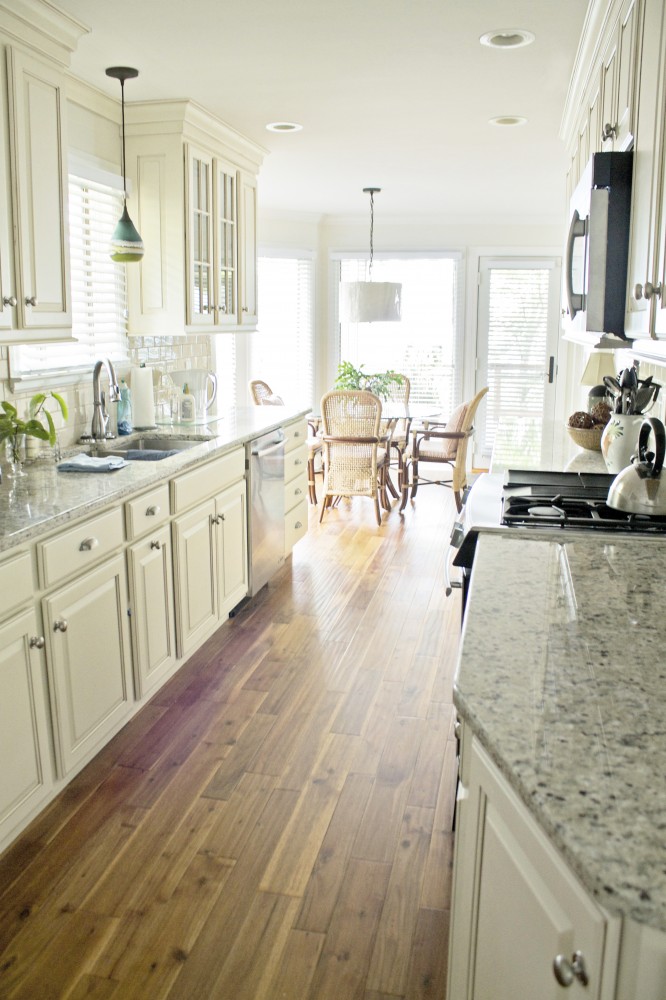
[
  {"x": 60, "y": 625},
  {"x": 155, "y": 545},
  {"x": 223, "y": 309},
  {"x": 9, "y": 300},
  {"x": 298, "y": 461},
  {"x": 31, "y": 300},
  {"x": 638, "y": 292},
  {"x": 298, "y": 491},
  {"x": 566, "y": 971},
  {"x": 299, "y": 524},
  {"x": 245, "y": 309},
  {"x": 608, "y": 132},
  {"x": 649, "y": 290},
  {"x": 37, "y": 642},
  {"x": 152, "y": 511},
  {"x": 88, "y": 544}
]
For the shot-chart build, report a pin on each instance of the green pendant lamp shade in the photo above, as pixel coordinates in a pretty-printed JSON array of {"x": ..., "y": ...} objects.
[{"x": 126, "y": 244}]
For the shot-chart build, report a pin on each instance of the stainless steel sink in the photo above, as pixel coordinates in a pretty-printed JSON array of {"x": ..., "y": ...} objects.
[{"x": 154, "y": 444}]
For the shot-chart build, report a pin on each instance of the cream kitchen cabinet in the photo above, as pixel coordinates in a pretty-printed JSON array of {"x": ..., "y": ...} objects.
[
  {"x": 34, "y": 249},
  {"x": 521, "y": 923},
  {"x": 195, "y": 188},
  {"x": 296, "y": 484},
  {"x": 27, "y": 778},
  {"x": 210, "y": 547},
  {"x": 88, "y": 650},
  {"x": 618, "y": 81},
  {"x": 150, "y": 572}
]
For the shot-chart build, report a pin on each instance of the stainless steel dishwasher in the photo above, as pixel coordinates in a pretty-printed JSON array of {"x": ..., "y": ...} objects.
[{"x": 265, "y": 464}]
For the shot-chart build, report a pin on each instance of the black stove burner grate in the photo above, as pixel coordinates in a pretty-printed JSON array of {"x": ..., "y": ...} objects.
[{"x": 573, "y": 512}]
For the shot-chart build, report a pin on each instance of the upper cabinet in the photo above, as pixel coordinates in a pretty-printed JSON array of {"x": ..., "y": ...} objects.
[
  {"x": 34, "y": 251},
  {"x": 618, "y": 73},
  {"x": 194, "y": 190}
]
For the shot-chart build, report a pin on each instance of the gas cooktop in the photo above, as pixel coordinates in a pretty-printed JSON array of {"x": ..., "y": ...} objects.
[{"x": 567, "y": 500}]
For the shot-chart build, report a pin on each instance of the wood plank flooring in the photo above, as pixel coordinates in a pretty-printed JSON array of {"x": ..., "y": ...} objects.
[{"x": 276, "y": 822}]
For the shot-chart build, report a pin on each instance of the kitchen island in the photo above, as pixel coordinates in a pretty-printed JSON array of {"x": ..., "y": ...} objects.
[{"x": 560, "y": 690}]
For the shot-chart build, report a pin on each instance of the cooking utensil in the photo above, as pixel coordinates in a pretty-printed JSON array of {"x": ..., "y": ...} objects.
[
  {"x": 612, "y": 385},
  {"x": 639, "y": 489}
]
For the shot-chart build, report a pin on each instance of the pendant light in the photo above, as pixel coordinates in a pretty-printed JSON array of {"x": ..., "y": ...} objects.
[
  {"x": 370, "y": 301},
  {"x": 126, "y": 244}
]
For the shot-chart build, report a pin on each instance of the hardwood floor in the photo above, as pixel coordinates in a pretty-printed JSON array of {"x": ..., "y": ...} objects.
[{"x": 276, "y": 822}]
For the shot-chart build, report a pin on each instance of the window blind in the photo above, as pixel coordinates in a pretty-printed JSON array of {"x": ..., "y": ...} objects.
[
  {"x": 426, "y": 345},
  {"x": 282, "y": 351},
  {"x": 517, "y": 341},
  {"x": 98, "y": 288}
]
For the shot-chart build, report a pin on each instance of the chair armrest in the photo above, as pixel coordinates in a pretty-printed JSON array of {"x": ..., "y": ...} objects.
[{"x": 351, "y": 440}]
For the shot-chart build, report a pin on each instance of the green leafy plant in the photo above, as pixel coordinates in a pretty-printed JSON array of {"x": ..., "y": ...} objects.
[
  {"x": 380, "y": 383},
  {"x": 12, "y": 427}
]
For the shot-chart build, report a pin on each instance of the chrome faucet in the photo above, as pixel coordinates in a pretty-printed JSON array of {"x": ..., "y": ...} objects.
[{"x": 100, "y": 420}]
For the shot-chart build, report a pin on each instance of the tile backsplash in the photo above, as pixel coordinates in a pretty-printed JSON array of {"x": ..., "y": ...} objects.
[{"x": 162, "y": 354}]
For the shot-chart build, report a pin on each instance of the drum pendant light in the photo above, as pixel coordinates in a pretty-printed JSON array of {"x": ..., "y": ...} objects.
[
  {"x": 370, "y": 301},
  {"x": 126, "y": 244}
]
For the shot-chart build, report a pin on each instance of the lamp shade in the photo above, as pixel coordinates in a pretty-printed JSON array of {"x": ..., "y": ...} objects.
[
  {"x": 126, "y": 244},
  {"x": 599, "y": 363},
  {"x": 370, "y": 301}
]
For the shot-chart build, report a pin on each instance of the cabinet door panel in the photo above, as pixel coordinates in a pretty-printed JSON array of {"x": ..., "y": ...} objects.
[
  {"x": 248, "y": 250},
  {"x": 195, "y": 584},
  {"x": 37, "y": 128},
  {"x": 7, "y": 276},
  {"x": 151, "y": 594},
  {"x": 89, "y": 660},
  {"x": 232, "y": 546},
  {"x": 24, "y": 728},
  {"x": 200, "y": 310}
]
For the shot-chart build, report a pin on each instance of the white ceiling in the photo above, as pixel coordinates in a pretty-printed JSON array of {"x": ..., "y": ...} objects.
[{"x": 391, "y": 93}]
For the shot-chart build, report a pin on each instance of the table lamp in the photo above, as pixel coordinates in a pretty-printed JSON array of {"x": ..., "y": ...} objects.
[{"x": 599, "y": 363}]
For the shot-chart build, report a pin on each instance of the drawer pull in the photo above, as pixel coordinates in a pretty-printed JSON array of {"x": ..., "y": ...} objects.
[
  {"x": 155, "y": 545},
  {"x": 152, "y": 511},
  {"x": 37, "y": 642},
  {"x": 88, "y": 544},
  {"x": 298, "y": 525},
  {"x": 297, "y": 434},
  {"x": 298, "y": 461},
  {"x": 297, "y": 491},
  {"x": 60, "y": 625}
]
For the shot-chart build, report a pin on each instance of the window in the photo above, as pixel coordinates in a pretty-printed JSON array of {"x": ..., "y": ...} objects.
[
  {"x": 282, "y": 350},
  {"x": 426, "y": 345},
  {"x": 99, "y": 296}
]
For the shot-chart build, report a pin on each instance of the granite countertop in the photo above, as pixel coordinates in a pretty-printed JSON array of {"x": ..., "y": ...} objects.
[
  {"x": 561, "y": 677},
  {"x": 45, "y": 498}
]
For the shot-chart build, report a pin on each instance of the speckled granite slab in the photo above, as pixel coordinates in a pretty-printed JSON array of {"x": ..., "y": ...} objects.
[
  {"x": 562, "y": 677},
  {"x": 45, "y": 498}
]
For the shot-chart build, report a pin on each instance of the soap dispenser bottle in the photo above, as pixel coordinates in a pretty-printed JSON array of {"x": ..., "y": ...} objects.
[
  {"x": 188, "y": 407},
  {"x": 124, "y": 409}
]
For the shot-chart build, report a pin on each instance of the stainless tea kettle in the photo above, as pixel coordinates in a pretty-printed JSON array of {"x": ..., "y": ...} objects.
[{"x": 639, "y": 489}]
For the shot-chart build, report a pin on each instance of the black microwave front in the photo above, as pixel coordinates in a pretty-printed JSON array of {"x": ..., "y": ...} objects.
[{"x": 597, "y": 249}]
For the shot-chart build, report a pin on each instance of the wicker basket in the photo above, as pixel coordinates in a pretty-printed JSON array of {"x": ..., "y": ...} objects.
[{"x": 587, "y": 437}]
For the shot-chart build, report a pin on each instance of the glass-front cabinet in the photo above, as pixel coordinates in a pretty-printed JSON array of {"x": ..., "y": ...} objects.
[
  {"x": 200, "y": 244},
  {"x": 226, "y": 249}
]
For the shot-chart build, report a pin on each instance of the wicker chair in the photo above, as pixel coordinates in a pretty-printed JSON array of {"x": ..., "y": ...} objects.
[
  {"x": 263, "y": 395},
  {"x": 399, "y": 393},
  {"x": 356, "y": 456},
  {"x": 447, "y": 444}
]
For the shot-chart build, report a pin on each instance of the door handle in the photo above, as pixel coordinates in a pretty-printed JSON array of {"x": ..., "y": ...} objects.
[{"x": 551, "y": 369}]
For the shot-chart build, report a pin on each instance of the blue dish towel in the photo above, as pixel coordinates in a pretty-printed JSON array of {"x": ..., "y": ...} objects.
[
  {"x": 150, "y": 454},
  {"x": 87, "y": 463}
]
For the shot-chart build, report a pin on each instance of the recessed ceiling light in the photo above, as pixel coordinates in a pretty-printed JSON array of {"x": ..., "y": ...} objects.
[
  {"x": 284, "y": 127},
  {"x": 508, "y": 38},
  {"x": 507, "y": 120}
]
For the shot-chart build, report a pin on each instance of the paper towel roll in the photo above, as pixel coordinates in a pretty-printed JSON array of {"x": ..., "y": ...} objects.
[{"x": 143, "y": 400}]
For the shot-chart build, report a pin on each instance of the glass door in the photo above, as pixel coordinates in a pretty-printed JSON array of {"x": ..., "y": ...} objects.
[{"x": 517, "y": 339}]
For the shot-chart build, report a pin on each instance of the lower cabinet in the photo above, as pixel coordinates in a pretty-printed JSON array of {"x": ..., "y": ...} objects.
[
  {"x": 152, "y": 610},
  {"x": 89, "y": 657},
  {"x": 210, "y": 559},
  {"x": 521, "y": 924},
  {"x": 295, "y": 484},
  {"x": 26, "y": 777}
]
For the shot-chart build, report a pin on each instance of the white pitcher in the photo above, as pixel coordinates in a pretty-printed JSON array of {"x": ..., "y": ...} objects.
[{"x": 619, "y": 440}]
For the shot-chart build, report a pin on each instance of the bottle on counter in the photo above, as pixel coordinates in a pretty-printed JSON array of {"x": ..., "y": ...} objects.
[
  {"x": 188, "y": 406},
  {"x": 124, "y": 409}
]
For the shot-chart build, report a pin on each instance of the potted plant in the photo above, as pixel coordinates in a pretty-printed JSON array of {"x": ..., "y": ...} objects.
[
  {"x": 349, "y": 377},
  {"x": 13, "y": 429}
]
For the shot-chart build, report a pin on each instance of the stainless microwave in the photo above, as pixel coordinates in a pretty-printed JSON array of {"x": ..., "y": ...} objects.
[{"x": 597, "y": 249}]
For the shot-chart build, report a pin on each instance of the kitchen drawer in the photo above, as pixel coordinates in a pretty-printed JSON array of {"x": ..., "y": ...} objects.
[
  {"x": 206, "y": 480},
  {"x": 295, "y": 490},
  {"x": 16, "y": 583},
  {"x": 295, "y": 525},
  {"x": 295, "y": 434},
  {"x": 82, "y": 546},
  {"x": 295, "y": 462},
  {"x": 147, "y": 512}
]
